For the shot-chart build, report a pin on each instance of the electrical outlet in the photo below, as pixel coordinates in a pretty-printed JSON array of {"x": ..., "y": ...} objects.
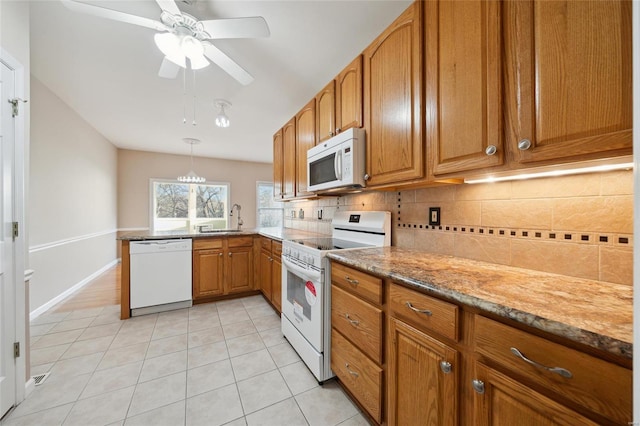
[{"x": 434, "y": 216}]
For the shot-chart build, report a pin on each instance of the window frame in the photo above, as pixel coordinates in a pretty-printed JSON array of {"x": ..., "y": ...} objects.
[{"x": 153, "y": 181}]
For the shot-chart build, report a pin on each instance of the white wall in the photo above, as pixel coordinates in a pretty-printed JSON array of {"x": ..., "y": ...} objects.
[{"x": 73, "y": 199}]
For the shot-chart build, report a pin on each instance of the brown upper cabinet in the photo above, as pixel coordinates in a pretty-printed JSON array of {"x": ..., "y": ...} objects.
[
  {"x": 463, "y": 108},
  {"x": 305, "y": 139},
  {"x": 568, "y": 80},
  {"x": 278, "y": 166},
  {"x": 392, "y": 102},
  {"x": 289, "y": 159},
  {"x": 326, "y": 112}
]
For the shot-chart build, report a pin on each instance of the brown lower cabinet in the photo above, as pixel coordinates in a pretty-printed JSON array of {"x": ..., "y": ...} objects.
[
  {"x": 222, "y": 266},
  {"x": 445, "y": 363},
  {"x": 270, "y": 271}
]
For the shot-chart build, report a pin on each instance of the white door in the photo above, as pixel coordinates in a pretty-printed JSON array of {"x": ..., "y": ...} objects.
[{"x": 7, "y": 283}]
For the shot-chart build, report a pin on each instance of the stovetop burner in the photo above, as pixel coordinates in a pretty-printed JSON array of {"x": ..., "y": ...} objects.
[{"x": 329, "y": 243}]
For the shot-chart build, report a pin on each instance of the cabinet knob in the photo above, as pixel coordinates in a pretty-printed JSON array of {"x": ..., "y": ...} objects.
[
  {"x": 478, "y": 386},
  {"x": 366, "y": 176},
  {"x": 331, "y": 133},
  {"x": 445, "y": 366},
  {"x": 220, "y": 255},
  {"x": 230, "y": 254},
  {"x": 491, "y": 150},
  {"x": 524, "y": 144},
  {"x": 338, "y": 130}
]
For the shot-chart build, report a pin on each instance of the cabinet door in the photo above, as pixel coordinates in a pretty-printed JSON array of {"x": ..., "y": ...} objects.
[
  {"x": 305, "y": 139},
  {"x": 325, "y": 112},
  {"x": 239, "y": 270},
  {"x": 289, "y": 159},
  {"x": 276, "y": 283},
  {"x": 501, "y": 400},
  {"x": 278, "y": 166},
  {"x": 207, "y": 273},
  {"x": 420, "y": 391},
  {"x": 392, "y": 95},
  {"x": 463, "y": 85},
  {"x": 568, "y": 79},
  {"x": 349, "y": 96},
  {"x": 265, "y": 273}
]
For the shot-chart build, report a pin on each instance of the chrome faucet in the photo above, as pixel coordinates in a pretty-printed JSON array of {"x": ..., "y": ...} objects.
[{"x": 238, "y": 207}]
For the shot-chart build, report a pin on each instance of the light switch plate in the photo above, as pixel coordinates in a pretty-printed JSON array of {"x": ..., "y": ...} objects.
[{"x": 434, "y": 216}]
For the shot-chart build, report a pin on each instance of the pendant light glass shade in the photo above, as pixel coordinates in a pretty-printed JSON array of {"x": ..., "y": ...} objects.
[
  {"x": 221, "y": 119},
  {"x": 191, "y": 177},
  {"x": 177, "y": 48}
]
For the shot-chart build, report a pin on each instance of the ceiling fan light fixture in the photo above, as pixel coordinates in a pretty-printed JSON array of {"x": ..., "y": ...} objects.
[
  {"x": 191, "y": 47},
  {"x": 199, "y": 62},
  {"x": 168, "y": 43},
  {"x": 221, "y": 119}
]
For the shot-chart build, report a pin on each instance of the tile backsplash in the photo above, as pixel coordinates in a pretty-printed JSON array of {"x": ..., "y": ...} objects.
[{"x": 578, "y": 225}]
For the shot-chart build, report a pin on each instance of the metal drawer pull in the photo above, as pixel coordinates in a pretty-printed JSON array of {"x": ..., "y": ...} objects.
[
  {"x": 352, "y": 321},
  {"x": 445, "y": 366},
  {"x": 420, "y": 311},
  {"x": 353, "y": 373},
  {"x": 351, "y": 280},
  {"x": 558, "y": 370},
  {"x": 478, "y": 386}
]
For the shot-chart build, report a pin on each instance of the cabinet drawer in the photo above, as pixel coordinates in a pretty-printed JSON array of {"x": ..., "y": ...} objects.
[
  {"x": 359, "y": 321},
  {"x": 595, "y": 384},
  {"x": 207, "y": 243},
  {"x": 364, "y": 285},
  {"x": 358, "y": 373},
  {"x": 240, "y": 241},
  {"x": 424, "y": 311},
  {"x": 276, "y": 249},
  {"x": 265, "y": 243}
]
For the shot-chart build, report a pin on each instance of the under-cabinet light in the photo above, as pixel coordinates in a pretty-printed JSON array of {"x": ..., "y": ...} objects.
[{"x": 552, "y": 173}]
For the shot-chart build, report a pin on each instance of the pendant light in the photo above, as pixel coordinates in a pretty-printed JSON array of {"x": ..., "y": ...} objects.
[
  {"x": 222, "y": 120},
  {"x": 191, "y": 177}
]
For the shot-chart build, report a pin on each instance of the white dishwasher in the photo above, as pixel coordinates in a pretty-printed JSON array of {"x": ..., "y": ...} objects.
[{"x": 160, "y": 275}]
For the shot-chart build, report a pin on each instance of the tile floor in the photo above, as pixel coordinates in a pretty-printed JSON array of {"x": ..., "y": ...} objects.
[{"x": 222, "y": 363}]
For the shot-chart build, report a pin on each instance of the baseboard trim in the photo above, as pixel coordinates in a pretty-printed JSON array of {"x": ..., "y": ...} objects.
[
  {"x": 59, "y": 298},
  {"x": 29, "y": 386}
]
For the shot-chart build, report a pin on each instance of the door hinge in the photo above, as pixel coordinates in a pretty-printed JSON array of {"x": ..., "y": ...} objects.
[
  {"x": 16, "y": 349},
  {"x": 14, "y": 105},
  {"x": 16, "y": 230}
]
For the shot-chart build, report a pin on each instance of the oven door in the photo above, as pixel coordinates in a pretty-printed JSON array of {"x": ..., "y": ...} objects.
[{"x": 302, "y": 300}]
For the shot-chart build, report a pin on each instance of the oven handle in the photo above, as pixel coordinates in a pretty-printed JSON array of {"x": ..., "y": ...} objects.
[{"x": 302, "y": 273}]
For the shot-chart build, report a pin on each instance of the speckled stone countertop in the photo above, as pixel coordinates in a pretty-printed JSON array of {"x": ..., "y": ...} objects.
[
  {"x": 592, "y": 313},
  {"x": 275, "y": 233}
]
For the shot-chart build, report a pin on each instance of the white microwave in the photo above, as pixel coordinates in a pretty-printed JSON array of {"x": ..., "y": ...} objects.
[{"x": 337, "y": 163}]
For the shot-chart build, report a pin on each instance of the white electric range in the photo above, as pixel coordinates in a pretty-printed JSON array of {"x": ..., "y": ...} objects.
[{"x": 306, "y": 283}]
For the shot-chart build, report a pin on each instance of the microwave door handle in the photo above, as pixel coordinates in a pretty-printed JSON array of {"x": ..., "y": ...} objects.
[{"x": 337, "y": 165}]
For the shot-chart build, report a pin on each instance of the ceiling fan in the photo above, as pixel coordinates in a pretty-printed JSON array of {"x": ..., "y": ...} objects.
[{"x": 182, "y": 37}]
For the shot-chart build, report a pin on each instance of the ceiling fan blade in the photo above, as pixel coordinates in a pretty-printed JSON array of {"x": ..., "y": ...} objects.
[
  {"x": 114, "y": 15},
  {"x": 169, "y": 6},
  {"x": 237, "y": 27},
  {"x": 219, "y": 58},
  {"x": 168, "y": 69}
]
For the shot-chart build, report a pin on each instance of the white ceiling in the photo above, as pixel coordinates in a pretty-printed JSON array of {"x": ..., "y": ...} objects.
[{"x": 107, "y": 71}]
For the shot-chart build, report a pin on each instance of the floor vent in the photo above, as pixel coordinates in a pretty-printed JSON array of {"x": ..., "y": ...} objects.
[{"x": 40, "y": 378}]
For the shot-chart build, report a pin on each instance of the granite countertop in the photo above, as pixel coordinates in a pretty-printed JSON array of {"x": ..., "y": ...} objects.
[
  {"x": 592, "y": 313},
  {"x": 271, "y": 232}
]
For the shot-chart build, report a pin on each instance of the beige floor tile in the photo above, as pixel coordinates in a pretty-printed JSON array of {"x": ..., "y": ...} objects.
[
  {"x": 170, "y": 317},
  {"x": 208, "y": 316},
  {"x": 209, "y": 377},
  {"x": 107, "y": 318},
  {"x": 197, "y": 324},
  {"x": 245, "y": 344},
  {"x": 54, "y": 339},
  {"x": 268, "y": 322},
  {"x": 85, "y": 313},
  {"x": 47, "y": 355},
  {"x": 233, "y": 316},
  {"x": 357, "y": 420},
  {"x": 76, "y": 366},
  {"x": 238, "y": 329},
  {"x": 121, "y": 356},
  {"x": 39, "y": 330},
  {"x": 282, "y": 413},
  {"x": 163, "y": 366},
  {"x": 112, "y": 379},
  {"x": 326, "y": 405},
  {"x": 169, "y": 329},
  {"x": 263, "y": 390},
  {"x": 251, "y": 301},
  {"x": 260, "y": 311},
  {"x": 252, "y": 364},
  {"x": 51, "y": 417},
  {"x": 102, "y": 409},
  {"x": 169, "y": 415},
  {"x": 167, "y": 345},
  {"x": 51, "y": 318},
  {"x": 128, "y": 337},
  {"x": 86, "y": 347},
  {"x": 71, "y": 325},
  {"x": 214, "y": 408},
  {"x": 41, "y": 369},
  {"x": 298, "y": 378},
  {"x": 205, "y": 336},
  {"x": 138, "y": 323},
  {"x": 237, "y": 422},
  {"x": 272, "y": 337},
  {"x": 207, "y": 354},
  {"x": 158, "y": 393},
  {"x": 283, "y": 354},
  {"x": 103, "y": 330}
]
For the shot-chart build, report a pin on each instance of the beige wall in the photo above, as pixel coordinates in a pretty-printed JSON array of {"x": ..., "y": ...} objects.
[
  {"x": 72, "y": 202},
  {"x": 579, "y": 226},
  {"x": 136, "y": 168}
]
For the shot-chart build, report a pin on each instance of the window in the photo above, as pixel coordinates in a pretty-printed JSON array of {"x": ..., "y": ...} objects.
[
  {"x": 270, "y": 212},
  {"x": 182, "y": 206}
]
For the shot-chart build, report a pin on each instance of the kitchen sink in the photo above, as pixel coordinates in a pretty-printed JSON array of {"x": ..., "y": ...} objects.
[{"x": 218, "y": 231}]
